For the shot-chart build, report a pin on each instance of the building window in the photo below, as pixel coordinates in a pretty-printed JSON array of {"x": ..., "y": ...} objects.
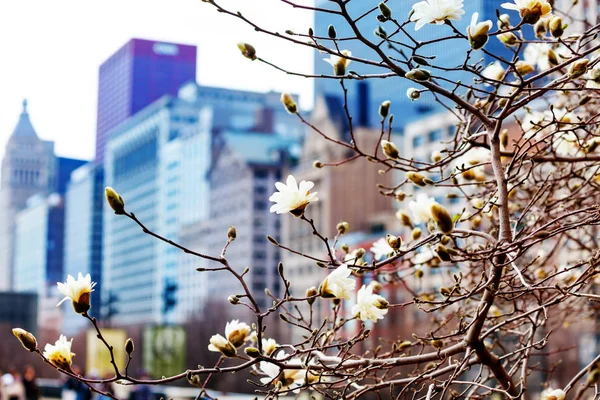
[
  {"x": 261, "y": 173},
  {"x": 434, "y": 136},
  {"x": 418, "y": 141},
  {"x": 259, "y": 255},
  {"x": 260, "y": 205}
]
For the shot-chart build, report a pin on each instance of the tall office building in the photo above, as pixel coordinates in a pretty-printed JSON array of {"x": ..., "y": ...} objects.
[
  {"x": 364, "y": 97},
  {"x": 28, "y": 168},
  {"x": 83, "y": 236},
  {"x": 244, "y": 170},
  {"x": 158, "y": 161},
  {"x": 39, "y": 245},
  {"x": 137, "y": 74},
  {"x": 39, "y": 236}
]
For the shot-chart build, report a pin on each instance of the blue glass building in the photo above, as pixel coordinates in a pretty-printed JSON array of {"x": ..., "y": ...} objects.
[
  {"x": 39, "y": 239},
  {"x": 364, "y": 97},
  {"x": 83, "y": 236}
]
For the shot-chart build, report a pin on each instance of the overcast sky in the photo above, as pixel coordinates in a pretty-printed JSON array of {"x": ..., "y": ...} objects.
[{"x": 51, "y": 51}]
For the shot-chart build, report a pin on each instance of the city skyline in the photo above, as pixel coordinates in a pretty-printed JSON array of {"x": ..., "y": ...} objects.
[{"x": 55, "y": 61}]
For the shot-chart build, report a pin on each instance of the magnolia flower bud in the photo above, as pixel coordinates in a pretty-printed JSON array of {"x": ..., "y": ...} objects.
[
  {"x": 252, "y": 352},
  {"x": 478, "y": 34},
  {"x": 231, "y": 233},
  {"x": 503, "y": 22},
  {"x": 416, "y": 178},
  {"x": 405, "y": 219},
  {"x": 442, "y": 218},
  {"x": 331, "y": 32},
  {"x": 552, "y": 58},
  {"x": 384, "y": 109},
  {"x": 390, "y": 149},
  {"x": 540, "y": 28},
  {"x": 418, "y": 74},
  {"x": 524, "y": 68},
  {"x": 385, "y": 10},
  {"x": 318, "y": 164},
  {"x": 413, "y": 93},
  {"x": 442, "y": 253},
  {"x": 578, "y": 68},
  {"x": 115, "y": 201},
  {"x": 221, "y": 344},
  {"x": 508, "y": 38},
  {"x": 288, "y": 101},
  {"x": 360, "y": 252},
  {"x": 343, "y": 227},
  {"x": 394, "y": 241},
  {"x": 416, "y": 233},
  {"x": 247, "y": 50},
  {"x": 404, "y": 344},
  {"x": 419, "y": 273},
  {"x": 311, "y": 293},
  {"x": 594, "y": 376},
  {"x": 437, "y": 343},
  {"x": 436, "y": 156},
  {"x": 233, "y": 299},
  {"x": 345, "y": 248},
  {"x": 556, "y": 27},
  {"x": 129, "y": 347},
  {"x": 381, "y": 303},
  {"x": 27, "y": 339},
  {"x": 380, "y": 32}
]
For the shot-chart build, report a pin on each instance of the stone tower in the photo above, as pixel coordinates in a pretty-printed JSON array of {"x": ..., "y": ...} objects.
[{"x": 28, "y": 168}]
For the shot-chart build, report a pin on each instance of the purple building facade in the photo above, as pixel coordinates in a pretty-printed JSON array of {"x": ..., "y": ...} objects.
[{"x": 137, "y": 74}]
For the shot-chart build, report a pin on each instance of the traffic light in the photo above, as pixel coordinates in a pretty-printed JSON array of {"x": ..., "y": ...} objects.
[{"x": 169, "y": 296}]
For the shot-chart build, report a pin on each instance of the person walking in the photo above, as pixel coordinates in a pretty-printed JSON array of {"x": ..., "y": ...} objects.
[{"x": 32, "y": 390}]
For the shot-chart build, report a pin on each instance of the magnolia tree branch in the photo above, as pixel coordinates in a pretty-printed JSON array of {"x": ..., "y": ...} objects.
[{"x": 487, "y": 274}]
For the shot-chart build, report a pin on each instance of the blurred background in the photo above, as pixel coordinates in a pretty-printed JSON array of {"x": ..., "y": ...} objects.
[{"x": 154, "y": 99}]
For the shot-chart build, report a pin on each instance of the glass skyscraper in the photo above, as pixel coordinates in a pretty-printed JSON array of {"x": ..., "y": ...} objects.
[
  {"x": 139, "y": 73},
  {"x": 364, "y": 97}
]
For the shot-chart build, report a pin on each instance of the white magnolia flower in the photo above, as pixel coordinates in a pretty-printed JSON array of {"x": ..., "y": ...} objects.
[
  {"x": 219, "y": 344},
  {"x": 369, "y": 306},
  {"x": 421, "y": 208},
  {"x": 292, "y": 197},
  {"x": 237, "y": 332},
  {"x": 338, "y": 283},
  {"x": 60, "y": 354},
  {"x": 553, "y": 394},
  {"x": 78, "y": 291},
  {"x": 567, "y": 144},
  {"x": 436, "y": 12},
  {"x": 537, "y": 54},
  {"x": 290, "y": 379},
  {"x": 493, "y": 71},
  {"x": 530, "y": 10},
  {"x": 381, "y": 249},
  {"x": 338, "y": 63},
  {"x": 424, "y": 256},
  {"x": 269, "y": 346},
  {"x": 478, "y": 32}
]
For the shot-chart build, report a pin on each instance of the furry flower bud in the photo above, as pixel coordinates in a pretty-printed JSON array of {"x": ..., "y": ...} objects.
[
  {"x": 288, "y": 102},
  {"x": 442, "y": 218},
  {"x": 247, "y": 50},
  {"x": 27, "y": 339},
  {"x": 390, "y": 149},
  {"x": 115, "y": 201}
]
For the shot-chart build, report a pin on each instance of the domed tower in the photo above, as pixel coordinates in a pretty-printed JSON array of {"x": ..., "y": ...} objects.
[{"x": 28, "y": 168}]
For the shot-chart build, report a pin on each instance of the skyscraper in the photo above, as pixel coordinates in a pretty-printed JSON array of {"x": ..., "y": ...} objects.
[
  {"x": 28, "y": 168},
  {"x": 364, "y": 97},
  {"x": 137, "y": 74}
]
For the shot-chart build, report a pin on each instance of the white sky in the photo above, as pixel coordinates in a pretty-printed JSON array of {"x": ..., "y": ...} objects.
[{"x": 51, "y": 51}]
